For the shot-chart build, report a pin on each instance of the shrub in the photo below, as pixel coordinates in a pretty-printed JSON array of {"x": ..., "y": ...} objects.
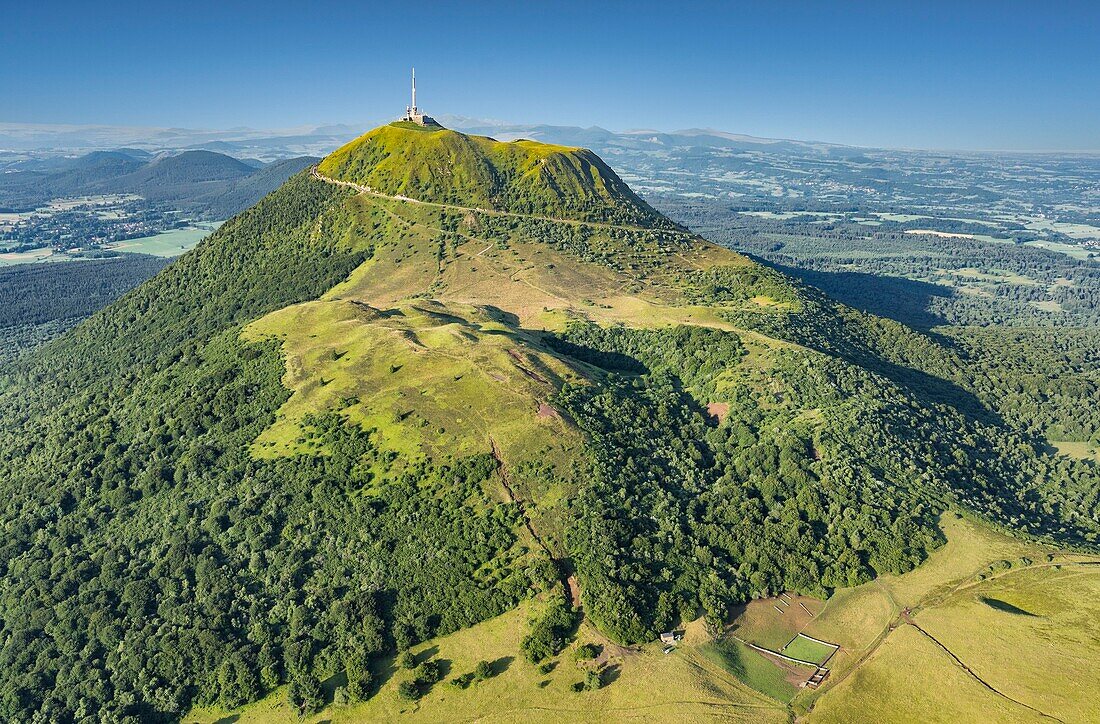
[
  {"x": 407, "y": 660},
  {"x": 548, "y": 632},
  {"x": 461, "y": 682},
  {"x": 483, "y": 670},
  {"x": 428, "y": 673},
  {"x": 408, "y": 690},
  {"x": 584, "y": 652}
]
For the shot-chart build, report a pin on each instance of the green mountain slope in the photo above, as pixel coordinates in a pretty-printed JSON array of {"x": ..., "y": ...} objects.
[
  {"x": 350, "y": 422},
  {"x": 437, "y": 164}
]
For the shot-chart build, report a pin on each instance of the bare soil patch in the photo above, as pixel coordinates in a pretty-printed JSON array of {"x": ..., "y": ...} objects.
[{"x": 718, "y": 410}]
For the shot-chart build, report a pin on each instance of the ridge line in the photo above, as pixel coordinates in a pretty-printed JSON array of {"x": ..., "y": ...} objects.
[{"x": 363, "y": 189}]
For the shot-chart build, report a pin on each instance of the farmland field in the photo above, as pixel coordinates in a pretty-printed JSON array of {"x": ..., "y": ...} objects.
[
  {"x": 773, "y": 677},
  {"x": 771, "y": 622},
  {"x": 808, "y": 650},
  {"x": 168, "y": 243},
  {"x": 1013, "y": 612}
]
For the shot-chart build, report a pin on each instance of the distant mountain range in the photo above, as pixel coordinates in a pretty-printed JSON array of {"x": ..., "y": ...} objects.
[
  {"x": 19, "y": 139},
  {"x": 218, "y": 184}
]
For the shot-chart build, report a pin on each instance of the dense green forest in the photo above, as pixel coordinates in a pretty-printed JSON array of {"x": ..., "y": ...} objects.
[
  {"x": 150, "y": 560},
  {"x": 774, "y": 500},
  {"x": 1023, "y": 323},
  {"x": 38, "y": 302},
  {"x": 149, "y": 563}
]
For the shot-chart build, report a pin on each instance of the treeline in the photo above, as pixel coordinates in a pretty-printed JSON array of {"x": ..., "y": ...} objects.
[
  {"x": 148, "y": 562},
  {"x": 826, "y": 472}
]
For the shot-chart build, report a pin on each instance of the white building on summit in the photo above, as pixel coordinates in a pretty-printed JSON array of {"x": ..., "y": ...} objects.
[{"x": 413, "y": 114}]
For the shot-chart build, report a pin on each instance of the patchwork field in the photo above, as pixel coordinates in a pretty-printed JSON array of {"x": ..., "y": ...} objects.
[{"x": 773, "y": 622}]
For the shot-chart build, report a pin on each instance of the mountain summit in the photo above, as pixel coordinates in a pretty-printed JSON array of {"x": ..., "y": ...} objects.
[
  {"x": 439, "y": 377},
  {"x": 435, "y": 164}
]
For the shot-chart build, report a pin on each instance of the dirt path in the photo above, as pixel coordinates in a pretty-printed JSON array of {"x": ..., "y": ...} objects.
[
  {"x": 492, "y": 212},
  {"x": 972, "y": 674},
  {"x": 934, "y": 598},
  {"x": 569, "y": 583}
]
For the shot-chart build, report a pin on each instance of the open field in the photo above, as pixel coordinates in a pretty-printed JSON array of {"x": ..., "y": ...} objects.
[
  {"x": 965, "y": 596},
  {"x": 168, "y": 243},
  {"x": 774, "y": 677},
  {"x": 1080, "y": 450},
  {"x": 639, "y": 686},
  {"x": 909, "y": 679},
  {"x": 1031, "y": 634},
  {"x": 27, "y": 257},
  {"x": 808, "y": 650},
  {"x": 772, "y": 622},
  {"x": 1021, "y": 664}
]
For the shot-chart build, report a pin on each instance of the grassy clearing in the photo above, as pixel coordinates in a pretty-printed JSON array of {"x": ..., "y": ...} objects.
[
  {"x": 639, "y": 685},
  {"x": 770, "y": 677},
  {"x": 975, "y": 595},
  {"x": 759, "y": 622},
  {"x": 1080, "y": 450},
  {"x": 807, "y": 650},
  {"x": 428, "y": 377}
]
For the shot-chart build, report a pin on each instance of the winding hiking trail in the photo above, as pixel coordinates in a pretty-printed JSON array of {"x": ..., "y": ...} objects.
[
  {"x": 316, "y": 173},
  {"x": 569, "y": 582}
]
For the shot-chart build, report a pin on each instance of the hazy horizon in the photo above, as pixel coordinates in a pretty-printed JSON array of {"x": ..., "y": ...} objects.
[
  {"x": 245, "y": 132},
  {"x": 983, "y": 76}
]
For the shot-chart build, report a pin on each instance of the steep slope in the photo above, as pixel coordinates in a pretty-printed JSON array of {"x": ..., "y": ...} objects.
[
  {"x": 357, "y": 418},
  {"x": 440, "y": 165}
]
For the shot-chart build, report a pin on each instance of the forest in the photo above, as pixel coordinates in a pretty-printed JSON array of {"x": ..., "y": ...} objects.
[
  {"x": 150, "y": 562},
  {"x": 39, "y": 302}
]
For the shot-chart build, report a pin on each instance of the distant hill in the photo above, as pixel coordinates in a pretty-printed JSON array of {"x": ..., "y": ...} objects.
[
  {"x": 247, "y": 190},
  {"x": 189, "y": 167},
  {"x": 212, "y": 184}
]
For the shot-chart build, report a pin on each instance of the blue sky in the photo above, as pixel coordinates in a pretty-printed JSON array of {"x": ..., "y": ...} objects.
[{"x": 1005, "y": 75}]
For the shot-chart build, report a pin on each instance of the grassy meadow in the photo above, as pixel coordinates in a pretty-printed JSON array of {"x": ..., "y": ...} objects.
[
  {"x": 167, "y": 243},
  {"x": 639, "y": 685}
]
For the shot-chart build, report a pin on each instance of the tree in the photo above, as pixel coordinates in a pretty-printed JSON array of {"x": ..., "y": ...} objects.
[
  {"x": 359, "y": 677},
  {"x": 428, "y": 673},
  {"x": 408, "y": 690},
  {"x": 483, "y": 670}
]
